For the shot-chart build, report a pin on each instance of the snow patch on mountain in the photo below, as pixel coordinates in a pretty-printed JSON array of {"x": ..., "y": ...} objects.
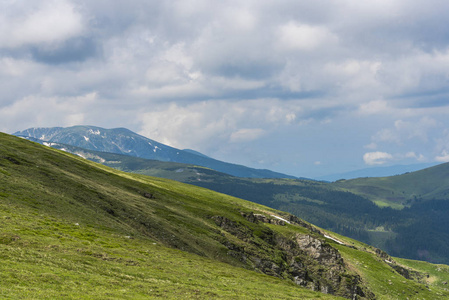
[
  {"x": 48, "y": 144},
  {"x": 95, "y": 132},
  {"x": 334, "y": 239},
  {"x": 282, "y": 219},
  {"x": 80, "y": 155}
]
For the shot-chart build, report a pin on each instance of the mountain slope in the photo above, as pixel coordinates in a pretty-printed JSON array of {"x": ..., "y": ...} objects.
[
  {"x": 124, "y": 141},
  {"x": 426, "y": 184},
  {"x": 75, "y": 229},
  {"x": 419, "y": 231}
]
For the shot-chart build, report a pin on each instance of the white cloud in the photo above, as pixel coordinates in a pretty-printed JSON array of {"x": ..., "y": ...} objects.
[
  {"x": 377, "y": 158},
  {"x": 36, "y": 111},
  {"x": 371, "y": 146},
  {"x": 443, "y": 157},
  {"x": 41, "y": 22},
  {"x": 246, "y": 135},
  {"x": 406, "y": 130},
  {"x": 418, "y": 157},
  {"x": 294, "y": 36},
  {"x": 216, "y": 121},
  {"x": 375, "y": 107}
]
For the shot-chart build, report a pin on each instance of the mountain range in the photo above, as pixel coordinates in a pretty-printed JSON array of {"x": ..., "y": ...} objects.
[
  {"x": 75, "y": 229},
  {"x": 124, "y": 141}
]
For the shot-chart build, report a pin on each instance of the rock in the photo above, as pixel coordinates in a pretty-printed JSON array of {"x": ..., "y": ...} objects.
[
  {"x": 305, "y": 259},
  {"x": 383, "y": 255},
  {"x": 254, "y": 218},
  {"x": 408, "y": 273},
  {"x": 319, "y": 250},
  {"x": 148, "y": 195}
]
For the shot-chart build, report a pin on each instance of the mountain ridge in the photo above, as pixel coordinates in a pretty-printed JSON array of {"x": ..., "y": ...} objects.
[{"x": 124, "y": 141}]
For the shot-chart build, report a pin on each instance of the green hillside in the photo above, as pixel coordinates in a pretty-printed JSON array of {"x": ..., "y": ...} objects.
[
  {"x": 402, "y": 190},
  {"x": 420, "y": 231},
  {"x": 74, "y": 229}
]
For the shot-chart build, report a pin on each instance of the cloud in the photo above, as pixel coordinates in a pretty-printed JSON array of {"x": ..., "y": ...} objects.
[
  {"x": 375, "y": 107},
  {"x": 406, "y": 130},
  {"x": 294, "y": 36},
  {"x": 443, "y": 157},
  {"x": 246, "y": 135},
  {"x": 376, "y": 158},
  {"x": 41, "y": 22},
  {"x": 195, "y": 125},
  {"x": 418, "y": 157},
  {"x": 40, "y": 112},
  {"x": 371, "y": 146},
  {"x": 201, "y": 74}
]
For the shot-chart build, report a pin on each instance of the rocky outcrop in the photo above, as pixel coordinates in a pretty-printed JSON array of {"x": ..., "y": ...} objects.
[
  {"x": 306, "y": 259},
  {"x": 319, "y": 250},
  {"x": 254, "y": 218},
  {"x": 405, "y": 272},
  {"x": 295, "y": 220}
]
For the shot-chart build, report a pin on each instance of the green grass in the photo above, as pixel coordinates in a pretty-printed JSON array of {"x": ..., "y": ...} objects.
[
  {"x": 43, "y": 258},
  {"x": 384, "y": 281},
  {"x": 73, "y": 229},
  {"x": 437, "y": 275}
]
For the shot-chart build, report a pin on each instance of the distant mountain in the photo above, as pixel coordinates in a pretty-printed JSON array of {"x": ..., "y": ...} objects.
[
  {"x": 195, "y": 152},
  {"x": 426, "y": 184},
  {"x": 377, "y": 172},
  {"x": 124, "y": 141},
  {"x": 171, "y": 170}
]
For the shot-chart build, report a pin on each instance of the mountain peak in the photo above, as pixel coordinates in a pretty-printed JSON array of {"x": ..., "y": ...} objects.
[{"x": 125, "y": 141}]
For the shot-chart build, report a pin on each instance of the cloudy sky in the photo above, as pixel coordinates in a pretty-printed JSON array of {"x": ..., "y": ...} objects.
[{"x": 302, "y": 87}]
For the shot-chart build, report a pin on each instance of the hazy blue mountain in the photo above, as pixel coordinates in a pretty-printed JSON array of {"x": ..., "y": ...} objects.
[
  {"x": 195, "y": 152},
  {"x": 377, "y": 172},
  {"x": 124, "y": 141}
]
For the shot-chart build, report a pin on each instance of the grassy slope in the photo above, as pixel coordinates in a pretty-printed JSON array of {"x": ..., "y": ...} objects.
[
  {"x": 117, "y": 249},
  {"x": 74, "y": 229},
  {"x": 396, "y": 190},
  {"x": 404, "y": 233},
  {"x": 389, "y": 284}
]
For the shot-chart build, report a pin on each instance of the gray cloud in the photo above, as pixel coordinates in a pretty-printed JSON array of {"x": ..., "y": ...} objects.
[{"x": 72, "y": 50}]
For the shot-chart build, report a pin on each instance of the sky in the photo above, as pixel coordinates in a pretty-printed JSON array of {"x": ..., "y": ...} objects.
[{"x": 306, "y": 88}]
